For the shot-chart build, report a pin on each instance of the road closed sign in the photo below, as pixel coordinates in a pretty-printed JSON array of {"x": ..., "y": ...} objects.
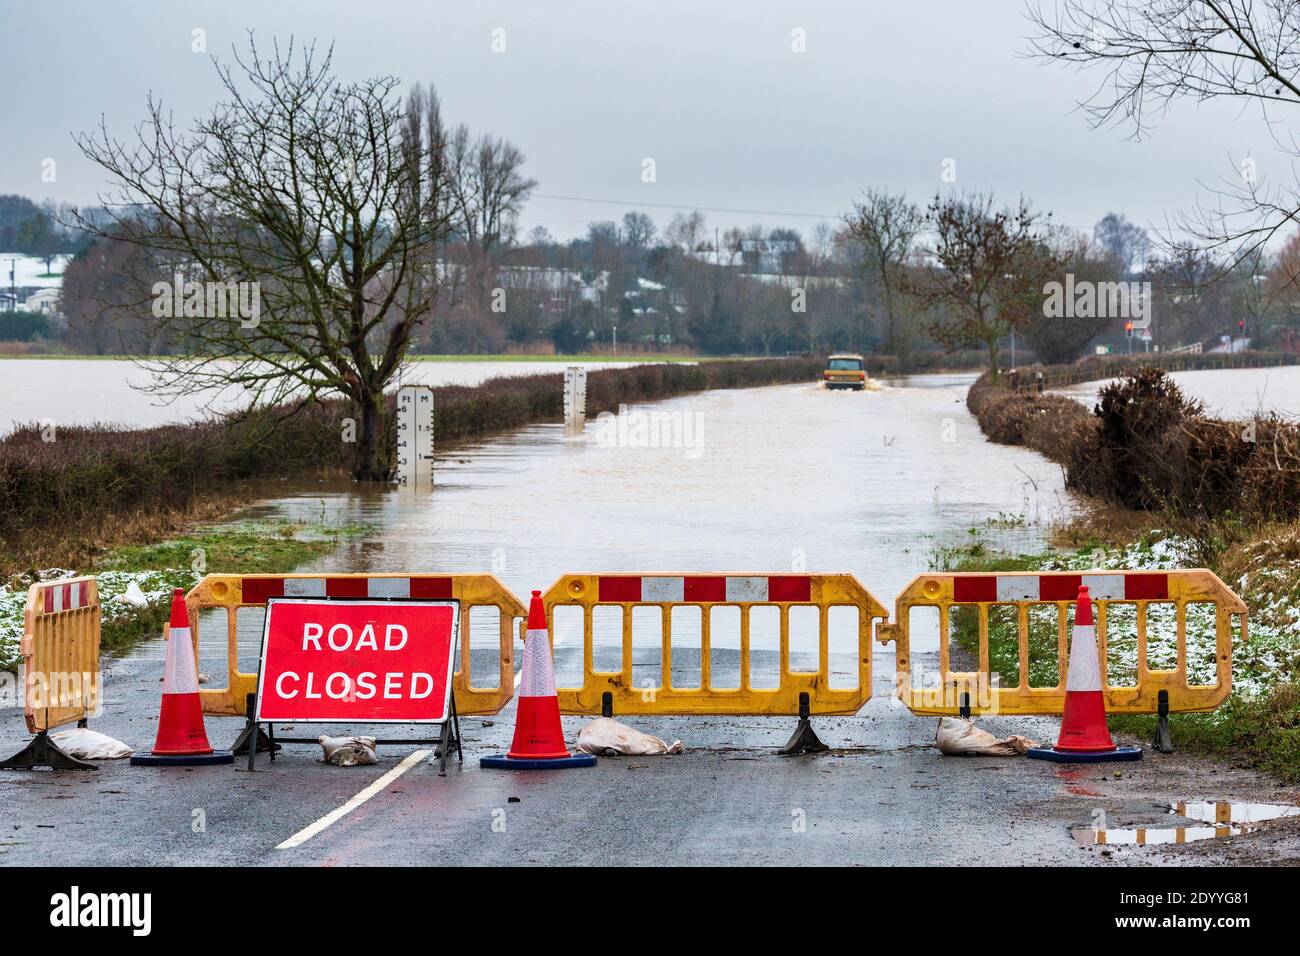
[{"x": 357, "y": 661}]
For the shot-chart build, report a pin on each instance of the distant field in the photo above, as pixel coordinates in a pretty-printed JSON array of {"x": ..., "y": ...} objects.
[{"x": 633, "y": 359}]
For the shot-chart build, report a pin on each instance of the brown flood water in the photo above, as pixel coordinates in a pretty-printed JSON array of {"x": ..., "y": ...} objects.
[{"x": 775, "y": 479}]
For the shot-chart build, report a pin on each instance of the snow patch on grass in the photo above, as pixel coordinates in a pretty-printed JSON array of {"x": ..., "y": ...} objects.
[{"x": 156, "y": 586}]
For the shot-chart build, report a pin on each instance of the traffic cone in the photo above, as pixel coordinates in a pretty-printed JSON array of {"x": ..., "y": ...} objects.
[
  {"x": 539, "y": 738},
  {"x": 1084, "y": 738},
  {"x": 182, "y": 739}
]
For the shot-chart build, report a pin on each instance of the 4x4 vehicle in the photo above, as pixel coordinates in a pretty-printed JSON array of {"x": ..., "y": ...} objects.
[{"x": 845, "y": 371}]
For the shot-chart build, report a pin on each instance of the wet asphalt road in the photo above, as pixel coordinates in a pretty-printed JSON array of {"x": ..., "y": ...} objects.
[{"x": 883, "y": 795}]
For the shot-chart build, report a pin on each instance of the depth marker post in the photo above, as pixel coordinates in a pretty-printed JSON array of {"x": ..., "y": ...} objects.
[
  {"x": 575, "y": 400},
  {"x": 415, "y": 437}
]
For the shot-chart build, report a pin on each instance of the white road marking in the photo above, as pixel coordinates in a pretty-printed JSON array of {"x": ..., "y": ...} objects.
[{"x": 337, "y": 814}]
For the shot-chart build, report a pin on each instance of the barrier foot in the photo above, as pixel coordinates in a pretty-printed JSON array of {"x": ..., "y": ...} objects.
[
  {"x": 804, "y": 740},
  {"x": 1164, "y": 740},
  {"x": 44, "y": 752},
  {"x": 264, "y": 743}
]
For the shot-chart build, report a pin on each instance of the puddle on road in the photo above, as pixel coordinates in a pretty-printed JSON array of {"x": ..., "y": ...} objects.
[{"x": 1230, "y": 818}]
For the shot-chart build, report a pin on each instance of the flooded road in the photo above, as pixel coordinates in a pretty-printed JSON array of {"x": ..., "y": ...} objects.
[
  {"x": 765, "y": 479},
  {"x": 1227, "y": 393},
  {"x": 777, "y": 479}
]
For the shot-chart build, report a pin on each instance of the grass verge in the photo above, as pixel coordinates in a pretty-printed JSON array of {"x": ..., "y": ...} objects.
[
  {"x": 1259, "y": 724},
  {"x": 135, "y": 582}
]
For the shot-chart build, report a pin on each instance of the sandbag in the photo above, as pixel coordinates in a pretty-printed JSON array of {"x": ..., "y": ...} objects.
[
  {"x": 606, "y": 737},
  {"x": 90, "y": 744},
  {"x": 956, "y": 737},
  {"x": 348, "y": 751},
  {"x": 133, "y": 596}
]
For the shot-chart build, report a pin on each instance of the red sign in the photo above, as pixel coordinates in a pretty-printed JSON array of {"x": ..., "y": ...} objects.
[{"x": 357, "y": 661}]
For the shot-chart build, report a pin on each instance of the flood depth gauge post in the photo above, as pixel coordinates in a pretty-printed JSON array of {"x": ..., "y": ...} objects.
[
  {"x": 415, "y": 437},
  {"x": 575, "y": 400}
]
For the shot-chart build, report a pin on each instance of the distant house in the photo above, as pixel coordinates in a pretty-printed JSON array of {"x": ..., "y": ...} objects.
[
  {"x": 44, "y": 301},
  {"x": 561, "y": 289},
  {"x": 9, "y": 302}
]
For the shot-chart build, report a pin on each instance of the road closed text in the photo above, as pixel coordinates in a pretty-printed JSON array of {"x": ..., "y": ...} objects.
[{"x": 356, "y": 661}]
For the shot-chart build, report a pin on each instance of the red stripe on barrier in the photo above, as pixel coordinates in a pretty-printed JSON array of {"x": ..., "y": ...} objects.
[
  {"x": 1059, "y": 587},
  {"x": 431, "y": 589},
  {"x": 983, "y": 587},
  {"x": 67, "y": 596},
  {"x": 619, "y": 589},
  {"x": 704, "y": 589},
  {"x": 257, "y": 590},
  {"x": 789, "y": 587},
  {"x": 47, "y": 596},
  {"x": 1146, "y": 587},
  {"x": 345, "y": 587}
]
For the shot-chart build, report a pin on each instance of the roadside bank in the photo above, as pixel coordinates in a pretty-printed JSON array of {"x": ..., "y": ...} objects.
[{"x": 1171, "y": 488}]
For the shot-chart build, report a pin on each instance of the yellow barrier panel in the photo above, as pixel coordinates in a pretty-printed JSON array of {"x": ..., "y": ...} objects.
[
  {"x": 1144, "y": 615},
  {"x": 747, "y": 593},
  {"x": 233, "y": 591},
  {"x": 60, "y": 649}
]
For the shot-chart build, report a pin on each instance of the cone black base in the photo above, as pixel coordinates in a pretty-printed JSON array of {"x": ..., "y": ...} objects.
[
  {"x": 1084, "y": 756},
  {"x": 524, "y": 763},
  {"x": 182, "y": 760}
]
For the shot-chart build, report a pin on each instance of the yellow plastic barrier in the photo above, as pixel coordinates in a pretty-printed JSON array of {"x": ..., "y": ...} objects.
[
  {"x": 1147, "y": 609},
  {"x": 60, "y": 652},
  {"x": 233, "y": 591},
  {"x": 707, "y": 591},
  {"x": 60, "y": 649}
]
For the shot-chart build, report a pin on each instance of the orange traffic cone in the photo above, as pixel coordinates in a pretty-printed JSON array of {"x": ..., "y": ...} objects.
[
  {"x": 1084, "y": 738},
  {"x": 539, "y": 738},
  {"x": 182, "y": 739}
]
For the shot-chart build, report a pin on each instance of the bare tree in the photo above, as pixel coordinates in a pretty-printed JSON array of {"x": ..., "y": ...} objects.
[
  {"x": 1056, "y": 338},
  {"x": 1155, "y": 52},
  {"x": 330, "y": 197},
  {"x": 985, "y": 271},
  {"x": 886, "y": 225},
  {"x": 1125, "y": 243},
  {"x": 487, "y": 188},
  {"x": 686, "y": 231}
]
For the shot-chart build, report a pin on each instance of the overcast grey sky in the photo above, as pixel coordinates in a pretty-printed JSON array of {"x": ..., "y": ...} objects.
[{"x": 713, "y": 92}]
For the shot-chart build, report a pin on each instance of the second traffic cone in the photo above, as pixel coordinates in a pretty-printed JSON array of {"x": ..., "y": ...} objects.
[
  {"x": 1084, "y": 737},
  {"x": 539, "y": 737},
  {"x": 182, "y": 738}
]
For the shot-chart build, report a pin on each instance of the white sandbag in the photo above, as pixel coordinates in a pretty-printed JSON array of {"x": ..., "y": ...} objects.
[
  {"x": 956, "y": 737},
  {"x": 90, "y": 744},
  {"x": 133, "y": 596},
  {"x": 348, "y": 751},
  {"x": 605, "y": 736}
]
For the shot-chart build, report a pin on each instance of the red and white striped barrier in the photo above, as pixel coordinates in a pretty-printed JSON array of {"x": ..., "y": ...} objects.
[
  {"x": 64, "y": 597},
  {"x": 1129, "y": 586},
  {"x": 732, "y": 589},
  {"x": 256, "y": 590}
]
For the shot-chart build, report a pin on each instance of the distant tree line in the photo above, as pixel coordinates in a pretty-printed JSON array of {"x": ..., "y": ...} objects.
[{"x": 39, "y": 230}]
